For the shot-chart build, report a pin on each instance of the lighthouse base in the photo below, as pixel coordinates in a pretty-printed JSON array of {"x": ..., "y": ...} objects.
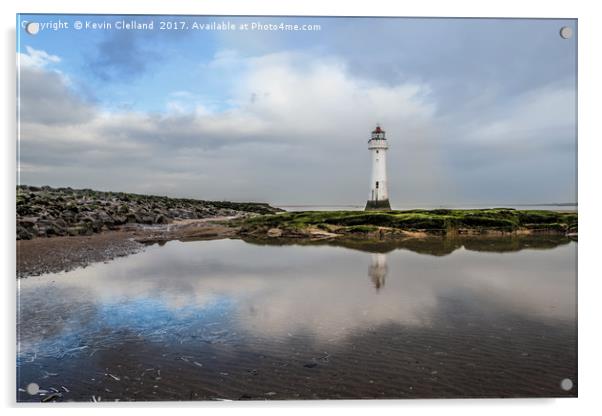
[{"x": 378, "y": 205}]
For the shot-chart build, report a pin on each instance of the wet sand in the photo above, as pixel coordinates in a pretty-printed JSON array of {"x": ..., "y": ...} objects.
[
  {"x": 214, "y": 320},
  {"x": 464, "y": 359},
  {"x": 55, "y": 254}
]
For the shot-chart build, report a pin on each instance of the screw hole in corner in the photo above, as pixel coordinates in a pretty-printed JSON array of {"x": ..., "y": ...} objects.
[{"x": 566, "y": 384}]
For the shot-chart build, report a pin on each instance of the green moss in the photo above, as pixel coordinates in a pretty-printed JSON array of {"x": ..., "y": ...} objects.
[
  {"x": 484, "y": 220},
  {"x": 435, "y": 221},
  {"x": 536, "y": 217}
]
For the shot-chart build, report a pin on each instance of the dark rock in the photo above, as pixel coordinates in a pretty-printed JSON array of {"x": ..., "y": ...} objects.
[
  {"x": 119, "y": 219},
  {"x": 160, "y": 219},
  {"x": 146, "y": 219},
  {"x": 92, "y": 223},
  {"x": 54, "y": 231},
  {"x": 23, "y": 233},
  {"x": 104, "y": 217},
  {"x": 27, "y": 221},
  {"x": 60, "y": 223}
]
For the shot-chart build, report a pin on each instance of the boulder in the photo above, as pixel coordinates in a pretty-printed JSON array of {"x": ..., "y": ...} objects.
[
  {"x": 160, "y": 219},
  {"x": 274, "y": 232},
  {"x": 105, "y": 218},
  {"x": 24, "y": 233},
  {"x": 79, "y": 230},
  {"x": 27, "y": 222},
  {"x": 119, "y": 219}
]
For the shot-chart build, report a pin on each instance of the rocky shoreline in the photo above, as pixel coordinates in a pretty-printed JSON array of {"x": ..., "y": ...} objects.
[
  {"x": 81, "y": 227},
  {"x": 50, "y": 212}
]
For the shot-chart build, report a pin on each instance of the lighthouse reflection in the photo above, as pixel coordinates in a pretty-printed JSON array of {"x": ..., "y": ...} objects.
[{"x": 378, "y": 270}]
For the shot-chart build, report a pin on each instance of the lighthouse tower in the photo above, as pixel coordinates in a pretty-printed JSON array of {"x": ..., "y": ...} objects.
[{"x": 378, "y": 200}]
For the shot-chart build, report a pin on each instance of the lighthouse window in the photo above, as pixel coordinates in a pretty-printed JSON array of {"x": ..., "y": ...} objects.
[
  {"x": 377, "y": 152},
  {"x": 376, "y": 184}
]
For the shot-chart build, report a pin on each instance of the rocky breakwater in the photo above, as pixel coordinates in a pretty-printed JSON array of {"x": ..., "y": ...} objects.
[{"x": 46, "y": 212}]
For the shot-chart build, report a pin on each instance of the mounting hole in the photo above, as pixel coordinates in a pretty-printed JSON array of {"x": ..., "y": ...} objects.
[
  {"x": 566, "y": 384},
  {"x": 32, "y": 28},
  {"x": 566, "y": 32},
  {"x": 33, "y": 388}
]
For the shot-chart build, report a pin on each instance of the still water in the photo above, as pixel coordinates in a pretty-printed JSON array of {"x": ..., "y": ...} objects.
[{"x": 228, "y": 319}]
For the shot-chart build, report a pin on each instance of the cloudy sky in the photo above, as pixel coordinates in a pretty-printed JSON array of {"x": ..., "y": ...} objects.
[{"x": 476, "y": 111}]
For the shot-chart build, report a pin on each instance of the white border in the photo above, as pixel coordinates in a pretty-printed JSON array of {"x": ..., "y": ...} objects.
[{"x": 590, "y": 374}]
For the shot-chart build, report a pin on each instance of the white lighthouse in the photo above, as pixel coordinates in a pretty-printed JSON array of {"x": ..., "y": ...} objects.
[{"x": 378, "y": 199}]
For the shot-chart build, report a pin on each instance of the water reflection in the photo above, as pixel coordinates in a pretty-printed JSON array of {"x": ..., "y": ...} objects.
[
  {"x": 378, "y": 270},
  {"x": 188, "y": 302},
  {"x": 435, "y": 246},
  {"x": 274, "y": 290}
]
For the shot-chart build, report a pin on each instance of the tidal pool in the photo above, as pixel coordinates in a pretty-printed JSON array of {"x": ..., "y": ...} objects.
[{"x": 227, "y": 319}]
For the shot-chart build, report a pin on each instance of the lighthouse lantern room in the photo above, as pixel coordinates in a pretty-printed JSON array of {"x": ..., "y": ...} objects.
[{"x": 378, "y": 200}]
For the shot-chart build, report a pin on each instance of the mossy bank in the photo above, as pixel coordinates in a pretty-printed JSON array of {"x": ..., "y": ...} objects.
[{"x": 332, "y": 224}]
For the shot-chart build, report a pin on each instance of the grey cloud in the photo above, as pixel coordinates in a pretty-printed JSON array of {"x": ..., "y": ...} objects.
[
  {"x": 303, "y": 140},
  {"x": 44, "y": 98},
  {"x": 460, "y": 58}
]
